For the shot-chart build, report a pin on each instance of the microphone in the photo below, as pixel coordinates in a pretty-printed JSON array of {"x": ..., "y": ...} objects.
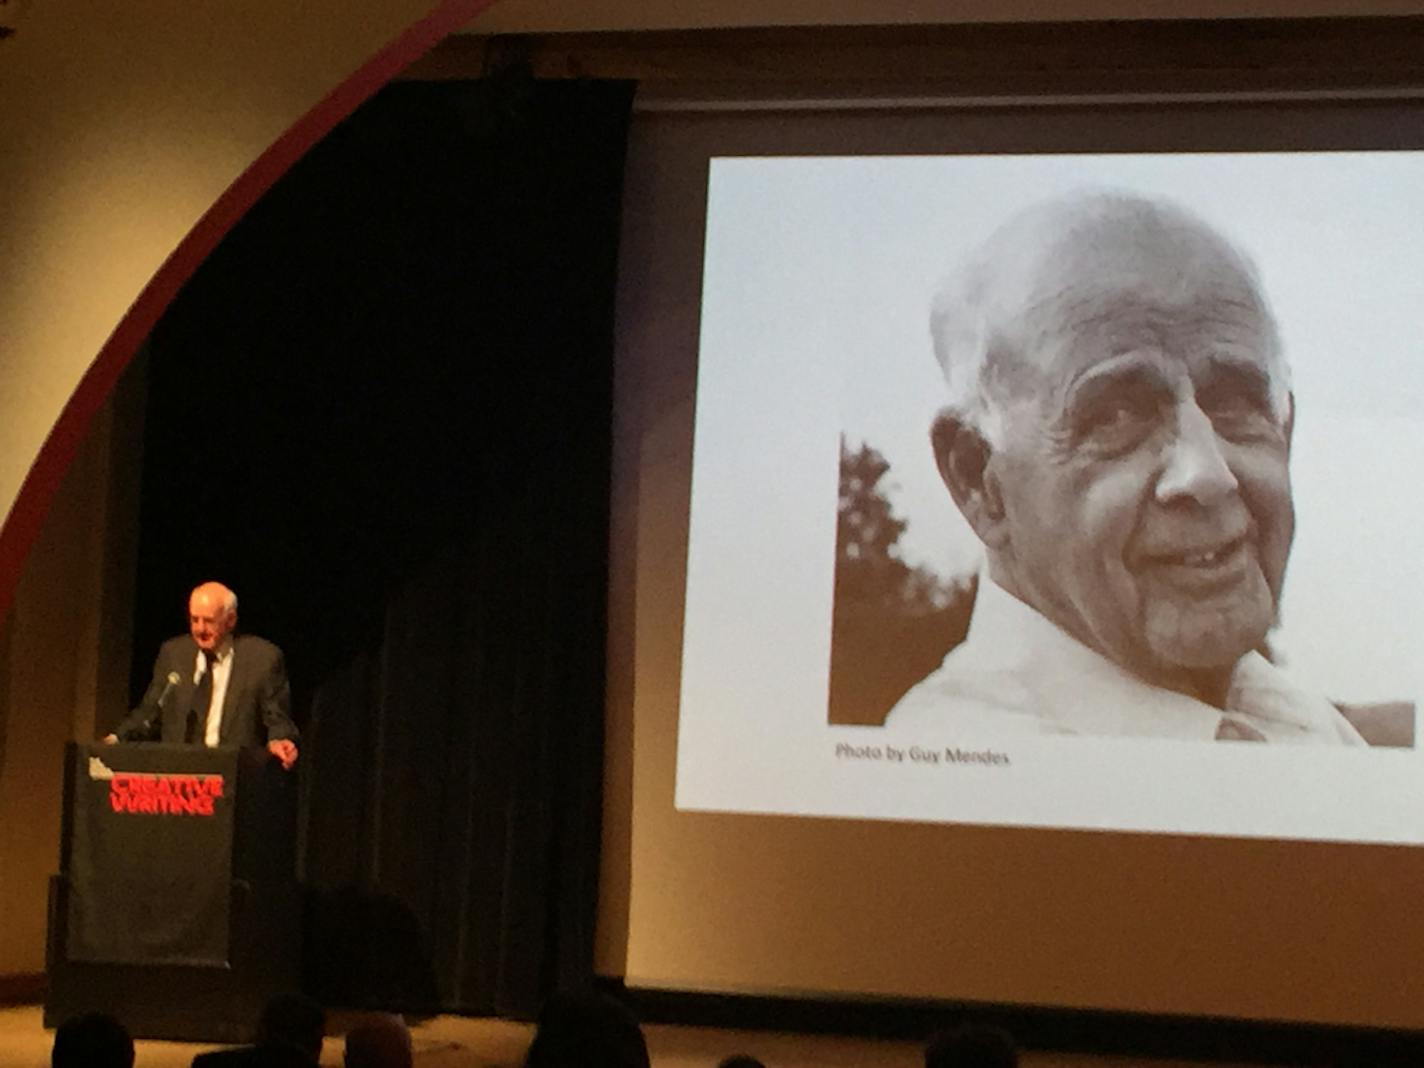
[
  {"x": 168, "y": 684},
  {"x": 171, "y": 681}
]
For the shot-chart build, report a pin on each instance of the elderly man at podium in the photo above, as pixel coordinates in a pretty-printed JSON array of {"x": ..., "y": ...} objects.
[{"x": 214, "y": 687}]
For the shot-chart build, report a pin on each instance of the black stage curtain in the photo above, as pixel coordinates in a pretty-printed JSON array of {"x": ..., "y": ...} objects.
[{"x": 381, "y": 412}]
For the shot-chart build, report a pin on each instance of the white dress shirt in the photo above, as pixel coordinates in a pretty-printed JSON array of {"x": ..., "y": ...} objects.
[
  {"x": 222, "y": 671},
  {"x": 1018, "y": 673}
]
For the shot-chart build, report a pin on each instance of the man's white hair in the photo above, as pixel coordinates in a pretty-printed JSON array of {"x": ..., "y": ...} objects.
[
  {"x": 227, "y": 599},
  {"x": 1008, "y": 298}
]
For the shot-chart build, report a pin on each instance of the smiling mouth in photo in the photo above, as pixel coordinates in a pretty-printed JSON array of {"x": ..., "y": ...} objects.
[
  {"x": 1201, "y": 569},
  {"x": 1206, "y": 559}
]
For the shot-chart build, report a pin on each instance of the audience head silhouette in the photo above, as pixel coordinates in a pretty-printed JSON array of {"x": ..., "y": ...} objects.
[
  {"x": 972, "y": 1046},
  {"x": 93, "y": 1040},
  {"x": 292, "y": 1022},
  {"x": 741, "y": 1060},
  {"x": 586, "y": 1029},
  {"x": 379, "y": 1042}
]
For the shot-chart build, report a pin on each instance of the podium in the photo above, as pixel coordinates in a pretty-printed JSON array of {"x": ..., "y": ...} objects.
[{"x": 176, "y": 906}]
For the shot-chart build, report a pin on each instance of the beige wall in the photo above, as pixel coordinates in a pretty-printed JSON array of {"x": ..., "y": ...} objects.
[
  {"x": 63, "y": 662},
  {"x": 120, "y": 124}
]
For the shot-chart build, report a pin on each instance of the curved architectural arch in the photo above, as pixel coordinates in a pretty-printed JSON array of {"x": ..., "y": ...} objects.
[{"x": 37, "y": 489}]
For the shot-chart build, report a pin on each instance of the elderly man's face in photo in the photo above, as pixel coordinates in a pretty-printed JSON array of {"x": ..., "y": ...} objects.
[{"x": 1143, "y": 468}]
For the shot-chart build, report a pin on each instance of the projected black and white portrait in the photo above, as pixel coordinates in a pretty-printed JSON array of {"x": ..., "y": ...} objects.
[
  {"x": 1117, "y": 435},
  {"x": 1032, "y": 489}
]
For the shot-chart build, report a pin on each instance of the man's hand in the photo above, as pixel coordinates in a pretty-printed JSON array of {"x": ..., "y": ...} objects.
[
  {"x": 285, "y": 750},
  {"x": 111, "y": 739}
]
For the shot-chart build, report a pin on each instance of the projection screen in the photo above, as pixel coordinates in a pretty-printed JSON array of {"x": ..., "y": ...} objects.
[{"x": 812, "y": 810}]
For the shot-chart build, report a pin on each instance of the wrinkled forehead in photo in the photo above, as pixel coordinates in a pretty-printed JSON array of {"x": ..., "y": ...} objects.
[{"x": 1094, "y": 275}]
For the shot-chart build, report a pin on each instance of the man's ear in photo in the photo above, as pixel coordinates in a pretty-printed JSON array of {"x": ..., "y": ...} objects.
[{"x": 966, "y": 464}]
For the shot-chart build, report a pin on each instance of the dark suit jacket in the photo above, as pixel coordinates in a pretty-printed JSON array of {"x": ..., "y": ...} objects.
[{"x": 257, "y": 707}]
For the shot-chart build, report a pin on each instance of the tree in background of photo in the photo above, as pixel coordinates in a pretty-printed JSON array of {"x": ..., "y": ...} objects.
[{"x": 892, "y": 622}]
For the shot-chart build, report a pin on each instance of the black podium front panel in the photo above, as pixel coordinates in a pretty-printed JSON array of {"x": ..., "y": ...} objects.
[
  {"x": 151, "y": 847},
  {"x": 176, "y": 907}
]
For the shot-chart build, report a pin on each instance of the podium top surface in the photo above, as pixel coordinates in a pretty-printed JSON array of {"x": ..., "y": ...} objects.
[{"x": 155, "y": 757}]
